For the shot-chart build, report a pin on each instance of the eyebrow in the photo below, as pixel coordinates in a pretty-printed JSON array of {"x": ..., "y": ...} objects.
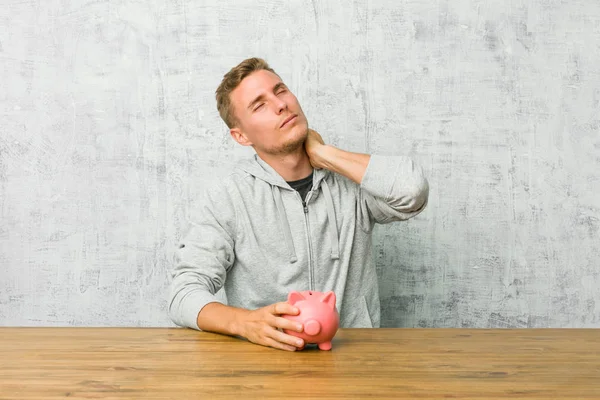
[{"x": 260, "y": 97}]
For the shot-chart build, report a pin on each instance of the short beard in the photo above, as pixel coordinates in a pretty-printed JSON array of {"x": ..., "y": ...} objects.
[{"x": 288, "y": 148}]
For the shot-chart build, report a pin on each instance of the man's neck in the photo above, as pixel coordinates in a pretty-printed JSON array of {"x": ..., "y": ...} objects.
[{"x": 292, "y": 166}]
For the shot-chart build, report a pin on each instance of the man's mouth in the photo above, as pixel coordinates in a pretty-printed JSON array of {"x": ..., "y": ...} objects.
[{"x": 288, "y": 119}]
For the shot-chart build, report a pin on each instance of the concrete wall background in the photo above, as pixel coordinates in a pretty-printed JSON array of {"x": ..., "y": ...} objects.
[{"x": 109, "y": 131}]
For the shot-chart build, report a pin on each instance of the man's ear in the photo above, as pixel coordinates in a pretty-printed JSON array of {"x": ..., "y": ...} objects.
[{"x": 240, "y": 137}]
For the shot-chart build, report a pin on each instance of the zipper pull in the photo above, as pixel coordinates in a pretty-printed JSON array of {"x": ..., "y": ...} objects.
[{"x": 305, "y": 208}]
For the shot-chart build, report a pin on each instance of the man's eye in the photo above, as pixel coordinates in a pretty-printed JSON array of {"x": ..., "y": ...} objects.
[{"x": 259, "y": 106}]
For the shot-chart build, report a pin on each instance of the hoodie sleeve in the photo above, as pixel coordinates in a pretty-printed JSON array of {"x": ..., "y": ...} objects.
[
  {"x": 205, "y": 254},
  {"x": 393, "y": 189}
]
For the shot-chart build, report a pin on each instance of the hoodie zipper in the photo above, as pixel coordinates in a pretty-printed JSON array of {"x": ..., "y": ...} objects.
[{"x": 310, "y": 255}]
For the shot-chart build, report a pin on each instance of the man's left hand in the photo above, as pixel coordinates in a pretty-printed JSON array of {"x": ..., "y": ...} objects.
[
  {"x": 314, "y": 145},
  {"x": 325, "y": 156}
]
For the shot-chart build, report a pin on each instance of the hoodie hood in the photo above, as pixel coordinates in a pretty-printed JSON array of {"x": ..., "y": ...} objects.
[{"x": 258, "y": 168}]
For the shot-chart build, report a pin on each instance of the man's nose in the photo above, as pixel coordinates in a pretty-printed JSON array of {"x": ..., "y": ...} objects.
[{"x": 281, "y": 106}]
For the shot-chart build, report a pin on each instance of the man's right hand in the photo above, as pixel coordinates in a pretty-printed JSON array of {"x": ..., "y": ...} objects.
[{"x": 264, "y": 326}]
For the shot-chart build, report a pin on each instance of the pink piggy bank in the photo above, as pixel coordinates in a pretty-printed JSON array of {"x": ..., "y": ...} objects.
[{"x": 318, "y": 315}]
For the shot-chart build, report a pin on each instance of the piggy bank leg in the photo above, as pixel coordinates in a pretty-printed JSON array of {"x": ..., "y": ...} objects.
[{"x": 325, "y": 346}]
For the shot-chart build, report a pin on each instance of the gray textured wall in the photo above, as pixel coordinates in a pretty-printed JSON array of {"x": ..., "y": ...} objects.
[{"x": 109, "y": 131}]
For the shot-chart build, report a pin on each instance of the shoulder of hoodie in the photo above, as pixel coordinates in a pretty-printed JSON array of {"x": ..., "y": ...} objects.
[
  {"x": 216, "y": 196},
  {"x": 226, "y": 184}
]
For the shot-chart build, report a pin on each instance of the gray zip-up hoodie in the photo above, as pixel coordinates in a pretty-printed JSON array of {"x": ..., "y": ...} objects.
[{"x": 254, "y": 237}]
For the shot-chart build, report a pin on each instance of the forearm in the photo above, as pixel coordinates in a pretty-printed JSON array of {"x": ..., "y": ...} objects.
[
  {"x": 351, "y": 165},
  {"x": 219, "y": 318}
]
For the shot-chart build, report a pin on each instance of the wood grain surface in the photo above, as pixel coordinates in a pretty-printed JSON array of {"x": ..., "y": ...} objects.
[{"x": 172, "y": 363}]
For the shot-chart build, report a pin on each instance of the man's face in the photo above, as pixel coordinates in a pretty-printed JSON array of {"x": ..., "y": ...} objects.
[{"x": 263, "y": 106}]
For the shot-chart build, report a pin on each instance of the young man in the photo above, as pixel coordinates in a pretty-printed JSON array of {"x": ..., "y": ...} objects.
[{"x": 297, "y": 216}]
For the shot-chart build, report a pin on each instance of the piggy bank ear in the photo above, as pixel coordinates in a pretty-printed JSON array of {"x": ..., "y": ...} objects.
[
  {"x": 295, "y": 297},
  {"x": 329, "y": 299}
]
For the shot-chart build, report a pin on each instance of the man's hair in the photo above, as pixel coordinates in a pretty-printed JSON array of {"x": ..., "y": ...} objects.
[{"x": 230, "y": 81}]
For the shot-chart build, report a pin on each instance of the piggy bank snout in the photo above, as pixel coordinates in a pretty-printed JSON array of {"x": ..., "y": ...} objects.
[{"x": 312, "y": 327}]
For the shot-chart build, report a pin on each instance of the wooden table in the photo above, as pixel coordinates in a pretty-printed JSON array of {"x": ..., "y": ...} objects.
[{"x": 175, "y": 363}]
